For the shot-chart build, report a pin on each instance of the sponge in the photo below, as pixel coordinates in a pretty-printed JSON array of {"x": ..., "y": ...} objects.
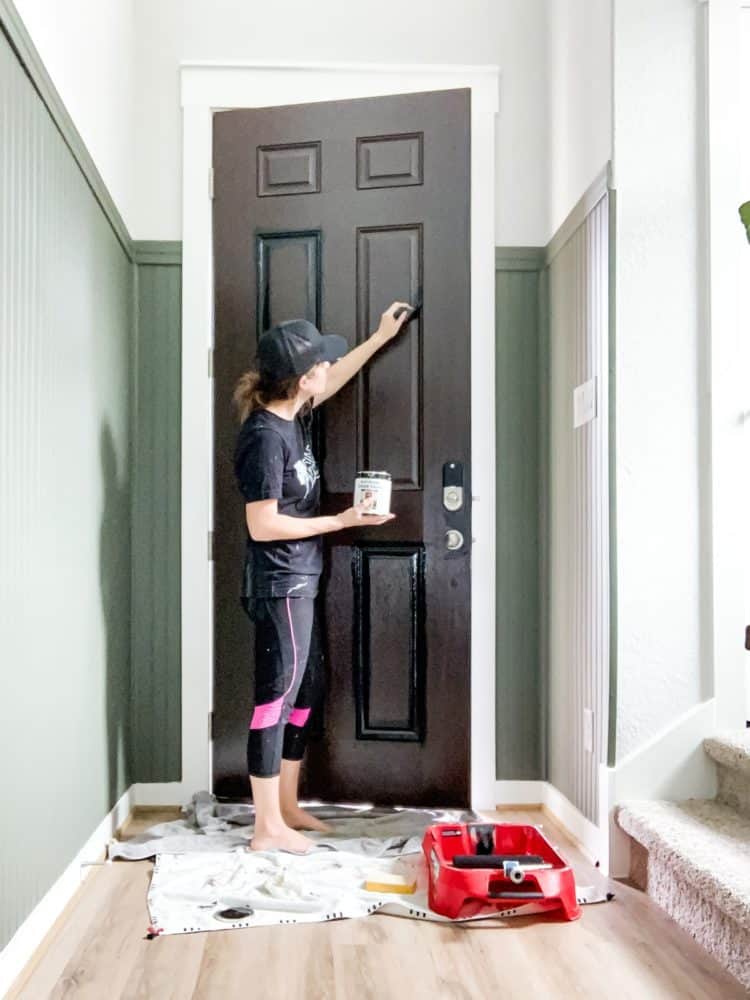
[{"x": 376, "y": 881}]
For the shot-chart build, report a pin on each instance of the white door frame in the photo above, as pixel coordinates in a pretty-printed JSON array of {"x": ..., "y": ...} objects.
[{"x": 206, "y": 87}]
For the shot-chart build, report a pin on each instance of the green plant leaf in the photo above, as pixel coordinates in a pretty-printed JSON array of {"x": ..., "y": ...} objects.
[{"x": 745, "y": 216}]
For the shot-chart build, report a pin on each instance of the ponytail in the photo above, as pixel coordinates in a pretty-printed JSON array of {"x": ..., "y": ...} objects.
[{"x": 253, "y": 392}]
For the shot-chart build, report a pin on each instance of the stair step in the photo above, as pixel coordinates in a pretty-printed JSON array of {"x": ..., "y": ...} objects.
[
  {"x": 731, "y": 753},
  {"x": 731, "y": 750},
  {"x": 699, "y": 871}
]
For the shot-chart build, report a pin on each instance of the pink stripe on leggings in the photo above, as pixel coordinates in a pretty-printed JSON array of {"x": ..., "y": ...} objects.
[
  {"x": 299, "y": 716},
  {"x": 267, "y": 715}
]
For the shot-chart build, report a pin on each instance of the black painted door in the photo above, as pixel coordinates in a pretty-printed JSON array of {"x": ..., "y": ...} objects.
[{"x": 331, "y": 212}]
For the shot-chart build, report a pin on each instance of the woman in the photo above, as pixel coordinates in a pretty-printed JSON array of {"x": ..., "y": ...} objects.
[{"x": 278, "y": 477}]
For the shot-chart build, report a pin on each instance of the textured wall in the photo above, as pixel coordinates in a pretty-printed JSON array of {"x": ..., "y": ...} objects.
[
  {"x": 156, "y": 680},
  {"x": 744, "y": 262},
  {"x": 577, "y": 531},
  {"x": 579, "y": 82},
  {"x": 663, "y": 443},
  {"x": 89, "y": 50},
  {"x": 519, "y": 722},
  {"x": 66, "y": 297},
  {"x": 507, "y": 33}
]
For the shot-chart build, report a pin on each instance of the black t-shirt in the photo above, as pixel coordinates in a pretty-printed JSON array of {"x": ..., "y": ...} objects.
[{"x": 274, "y": 461}]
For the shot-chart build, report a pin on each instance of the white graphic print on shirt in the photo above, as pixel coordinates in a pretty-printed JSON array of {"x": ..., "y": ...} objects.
[{"x": 306, "y": 470}]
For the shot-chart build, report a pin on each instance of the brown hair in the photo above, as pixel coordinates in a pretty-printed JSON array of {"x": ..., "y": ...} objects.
[{"x": 253, "y": 392}]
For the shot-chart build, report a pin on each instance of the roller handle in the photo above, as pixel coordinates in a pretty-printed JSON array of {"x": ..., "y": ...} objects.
[
  {"x": 494, "y": 860},
  {"x": 516, "y": 895}
]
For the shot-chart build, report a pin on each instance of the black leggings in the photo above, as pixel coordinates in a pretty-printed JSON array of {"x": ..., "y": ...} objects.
[{"x": 288, "y": 681}]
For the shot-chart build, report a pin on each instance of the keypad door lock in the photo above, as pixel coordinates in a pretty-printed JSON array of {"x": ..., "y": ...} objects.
[{"x": 453, "y": 486}]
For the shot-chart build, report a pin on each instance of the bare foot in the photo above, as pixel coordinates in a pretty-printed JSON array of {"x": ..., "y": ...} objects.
[
  {"x": 298, "y": 819},
  {"x": 280, "y": 838}
]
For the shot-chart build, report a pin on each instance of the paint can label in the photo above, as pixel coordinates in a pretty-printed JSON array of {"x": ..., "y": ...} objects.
[{"x": 376, "y": 485}]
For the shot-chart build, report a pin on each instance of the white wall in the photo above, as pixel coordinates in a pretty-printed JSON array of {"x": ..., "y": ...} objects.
[
  {"x": 579, "y": 41},
  {"x": 116, "y": 66},
  {"x": 663, "y": 574},
  {"x": 503, "y": 32},
  {"x": 88, "y": 49},
  {"x": 744, "y": 261}
]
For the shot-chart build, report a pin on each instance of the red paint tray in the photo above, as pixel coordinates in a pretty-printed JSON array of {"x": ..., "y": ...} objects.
[{"x": 504, "y": 865}]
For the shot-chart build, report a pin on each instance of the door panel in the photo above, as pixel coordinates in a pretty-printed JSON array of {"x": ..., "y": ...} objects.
[
  {"x": 331, "y": 212},
  {"x": 391, "y": 395},
  {"x": 389, "y": 641},
  {"x": 289, "y": 276}
]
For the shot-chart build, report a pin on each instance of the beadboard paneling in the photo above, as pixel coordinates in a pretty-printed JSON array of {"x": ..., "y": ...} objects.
[
  {"x": 156, "y": 676},
  {"x": 577, "y": 532},
  {"x": 66, "y": 316},
  {"x": 519, "y": 724}
]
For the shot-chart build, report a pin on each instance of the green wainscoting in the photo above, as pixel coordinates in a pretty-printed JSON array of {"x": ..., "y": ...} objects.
[
  {"x": 518, "y": 387},
  {"x": 156, "y": 676}
]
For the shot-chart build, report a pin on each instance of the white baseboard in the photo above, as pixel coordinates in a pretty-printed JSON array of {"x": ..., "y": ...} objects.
[
  {"x": 591, "y": 838},
  {"x": 166, "y": 793},
  {"x": 673, "y": 763},
  {"x": 520, "y": 793},
  {"x": 21, "y": 947}
]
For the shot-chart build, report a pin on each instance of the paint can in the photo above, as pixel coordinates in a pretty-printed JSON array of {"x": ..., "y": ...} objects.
[{"x": 376, "y": 485}]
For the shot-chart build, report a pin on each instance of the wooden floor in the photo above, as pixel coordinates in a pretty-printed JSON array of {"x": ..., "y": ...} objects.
[{"x": 624, "y": 949}]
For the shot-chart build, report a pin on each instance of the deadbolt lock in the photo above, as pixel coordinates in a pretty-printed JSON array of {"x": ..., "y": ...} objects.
[{"x": 454, "y": 540}]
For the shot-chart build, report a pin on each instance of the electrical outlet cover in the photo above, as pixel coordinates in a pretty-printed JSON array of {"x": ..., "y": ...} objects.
[{"x": 584, "y": 403}]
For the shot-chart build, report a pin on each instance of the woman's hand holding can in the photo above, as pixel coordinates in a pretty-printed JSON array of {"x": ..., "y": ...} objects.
[{"x": 357, "y": 515}]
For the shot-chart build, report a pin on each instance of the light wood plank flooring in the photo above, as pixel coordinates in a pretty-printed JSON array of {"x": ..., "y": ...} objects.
[{"x": 624, "y": 949}]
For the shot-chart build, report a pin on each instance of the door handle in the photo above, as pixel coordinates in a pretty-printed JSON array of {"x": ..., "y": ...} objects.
[{"x": 454, "y": 540}]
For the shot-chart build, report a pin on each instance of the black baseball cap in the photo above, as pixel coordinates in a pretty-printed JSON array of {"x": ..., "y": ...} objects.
[{"x": 293, "y": 347}]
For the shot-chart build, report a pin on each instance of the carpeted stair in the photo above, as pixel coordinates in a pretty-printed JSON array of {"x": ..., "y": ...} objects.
[
  {"x": 731, "y": 754},
  {"x": 693, "y": 857}
]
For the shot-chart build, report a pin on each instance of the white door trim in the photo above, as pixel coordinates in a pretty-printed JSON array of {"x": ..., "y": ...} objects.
[{"x": 206, "y": 87}]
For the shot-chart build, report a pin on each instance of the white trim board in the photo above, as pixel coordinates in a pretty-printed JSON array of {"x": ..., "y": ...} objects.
[
  {"x": 21, "y": 948},
  {"x": 592, "y": 839},
  {"x": 601, "y": 185},
  {"x": 671, "y": 765},
  {"x": 206, "y": 87},
  {"x": 32, "y": 63}
]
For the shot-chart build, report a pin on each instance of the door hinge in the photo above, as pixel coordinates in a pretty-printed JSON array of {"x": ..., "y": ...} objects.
[
  {"x": 210, "y": 546},
  {"x": 210, "y": 362},
  {"x": 210, "y": 727},
  {"x": 211, "y": 182}
]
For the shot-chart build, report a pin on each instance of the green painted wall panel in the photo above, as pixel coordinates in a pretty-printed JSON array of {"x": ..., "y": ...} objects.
[
  {"x": 519, "y": 753},
  {"x": 156, "y": 679},
  {"x": 66, "y": 318}
]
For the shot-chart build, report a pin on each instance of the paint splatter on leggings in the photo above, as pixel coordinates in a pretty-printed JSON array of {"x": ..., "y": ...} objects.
[{"x": 288, "y": 682}]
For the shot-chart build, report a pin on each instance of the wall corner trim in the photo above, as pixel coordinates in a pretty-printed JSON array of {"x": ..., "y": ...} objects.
[
  {"x": 520, "y": 258},
  {"x": 602, "y": 183},
  {"x": 20, "y": 40},
  {"x": 165, "y": 252}
]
